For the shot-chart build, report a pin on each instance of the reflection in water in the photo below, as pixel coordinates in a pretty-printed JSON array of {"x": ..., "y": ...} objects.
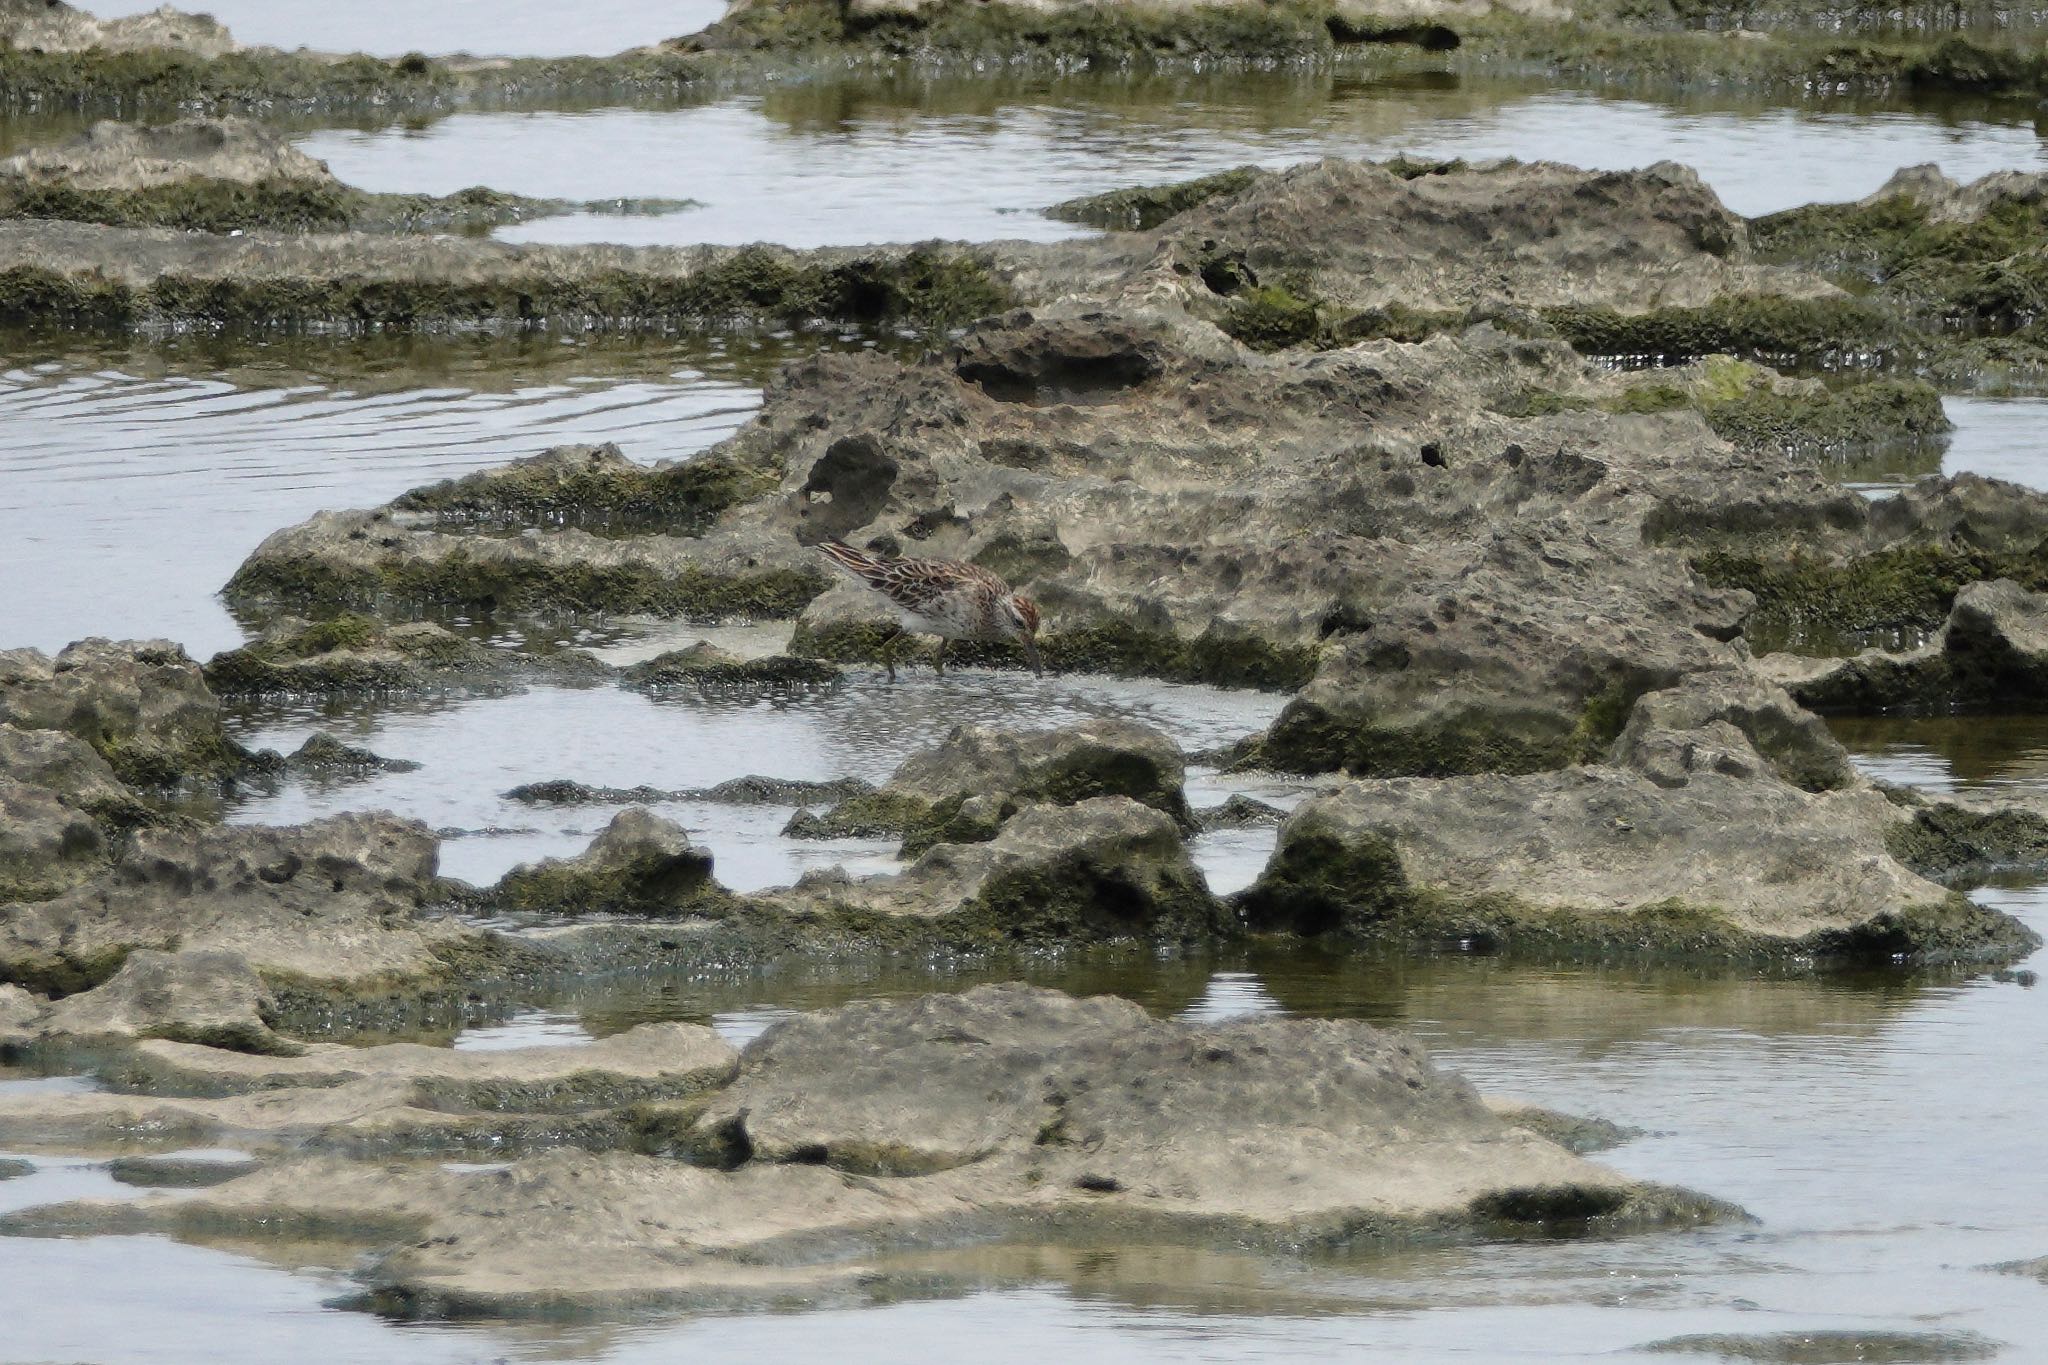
[
  {"x": 1945, "y": 753},
  {"x": 2000, "y": 438},
  {"x": 853, "y": 161},
  {"x": 472, "y": 750},
  {"x": 131, "y": 487}
]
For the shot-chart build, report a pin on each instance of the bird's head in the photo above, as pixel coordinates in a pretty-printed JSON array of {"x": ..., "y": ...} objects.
[{"x": 1022, "y": 619}]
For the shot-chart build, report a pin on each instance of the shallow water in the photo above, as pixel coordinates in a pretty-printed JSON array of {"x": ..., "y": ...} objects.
[
  {"x": 134, "y": 482},
  {"x": 2000, "y": 438},
  {"x": 472, "y": 750},
  {"x": 850, "y": 161}
]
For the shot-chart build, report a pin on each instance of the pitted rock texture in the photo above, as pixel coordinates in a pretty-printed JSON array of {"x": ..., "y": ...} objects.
[
  {"x": 334, "y": 902},
  {"x": 640, "y": 864},
  {"x": 214, "y": 998},
  {"x": 1003, "y": 1112},
  {"x": 1106, "y": 868},
  {"x": 1993, "y": 651},
  {"x": 143, "y": 705},
  {"x": 964, "y": 789},
  {"x": 129, "y": 156},
  {"x": 1584, "y": 861}
]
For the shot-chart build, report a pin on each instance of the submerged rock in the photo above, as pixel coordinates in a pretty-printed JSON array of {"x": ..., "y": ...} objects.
[
  {"x": 351, "y": 653},
  {"x": 332, "y": 903},
  {"x": 1833, "y": 1347},
  {"x": 965, "y": 788},
  {"x": 738, "y": 791},
  {"x": 706, "y": 665},
  {"x": 143, "y": 705},
  {"x": 1006, "y": 1112},
  {"x": 325, "y": 756},
  {"x": 640, "y": 864}
]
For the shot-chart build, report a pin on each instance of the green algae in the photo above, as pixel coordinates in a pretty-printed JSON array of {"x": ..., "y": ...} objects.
[
  {"x": 681, "y": 498},
  {"x": 1143, "y": 207},
  {"x": 1903, "y": 587},
  {"x": 1812, "y": 331},
  {"x": 921, "y": 287}
]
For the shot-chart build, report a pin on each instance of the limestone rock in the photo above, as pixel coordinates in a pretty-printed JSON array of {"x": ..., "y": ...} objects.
[
  {"x": 129, "y": 156},
  {"x": 143, "y": 705},
  {"x": 1104, "y": 868},
  {"x": 963, "y": 789},
  {"x": 214, "y": 998},
  {"x": 333, "y": 902},
  {"x": 1595, "y": 860},
  {"x": 640, "y": 864},
  {"x": 1795, "y": 742}
]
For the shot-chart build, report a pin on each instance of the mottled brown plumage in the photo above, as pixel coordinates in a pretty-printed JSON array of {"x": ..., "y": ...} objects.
[{"x": 944, "y": 597}]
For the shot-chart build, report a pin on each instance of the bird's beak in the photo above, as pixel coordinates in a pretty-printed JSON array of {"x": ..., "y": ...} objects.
[{"x": 1031, "y": 656}]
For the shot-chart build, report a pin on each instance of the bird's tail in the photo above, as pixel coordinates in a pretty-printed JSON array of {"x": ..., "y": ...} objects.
[{"x": 862, "y": 565}]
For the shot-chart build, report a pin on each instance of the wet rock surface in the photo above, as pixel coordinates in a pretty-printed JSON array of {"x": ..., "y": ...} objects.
[
  {"x": 640, "y": 864},
  {"x": 1691, "y": 843},
  {"x": 963, "y": 790},
  {"x": 209, "y": 997},
  {"x": 1992, "y": 651},
  {"x": 1003, "y": 1112},
  {"x": 352, "y": 654},
  {"x": 707, "y": 666},
  {"x": 143, "y": 705},
  {"x": 335, "y": 902}
]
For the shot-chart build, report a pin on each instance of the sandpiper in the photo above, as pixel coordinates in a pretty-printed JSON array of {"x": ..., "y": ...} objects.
[{"x": 943, "y": 597}]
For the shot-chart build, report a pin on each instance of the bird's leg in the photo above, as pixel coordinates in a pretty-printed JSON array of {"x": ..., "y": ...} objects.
[
  {"x": 889, "y": 643},
  {"x": 939, "y": 657}
]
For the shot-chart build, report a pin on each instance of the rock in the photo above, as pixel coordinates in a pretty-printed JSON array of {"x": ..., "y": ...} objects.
[
  {"x": 47, "y": 844},
  {"x": 706, "y": 665},
  {"x": 324, "y": 755},
  {"x": 640, "y": 864},
  {"x": 1002, "y": 1113},
  {"x": 351, "y": 654},
  {"x": 1103, "y": 869},
  {"x": 1993, "y": 651},
  {"x": 1484, "y": 675},
  {"x": 738, "y": 791},
  {"x": 963, "y": 790},
  {"x": 1578, "y": 1133},
  {"x": 1965, "y": 836},
  {"x": 1821, "y": 1348},
  {"x": 53, "y": 26},
  {"x": 595, "y": 487},
  {"x": 1595, "y": 860},
  {"x": 130, "y": 156},
  {"x": 1239, "y": 812},
  {"x": 176, "y": 1173},
  {"x": 214, "y": 998},
  {"x": 398, "y": 1099},
  {"x": 648, "y": 1062},
  {"x": 19, "y": 1011},
  {"x": 13, "y": 1168},
  {"x": 332, "y": 904},
  {"x": 1796, "y": 743},
  {"x": 143, "y": 705}
]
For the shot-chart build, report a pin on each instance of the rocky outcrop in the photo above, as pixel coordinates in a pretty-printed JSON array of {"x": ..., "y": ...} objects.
[
  {"x": 353, "y": 654},
  {"x": 1661, "y": 738},
  {"x": 324, "y": 756},
  {"x": 143, "y": 705},
  {"x": 1005, "y": 1112},
  {"x": 137, "y": 156},
  {"x": 1106, "y": 868},
  {"x": 1699, "y": 849},
  {"x": 641, "y": 864},
  {"x": 705, "y": 665},
  {"x": 738, "y": 791},
  {"x": 208, "y": 997},
  {"x": 1993, "y": 651},
  {"x": 61, "y": 812},
  {"x": 53, "y": 26},
  {"x": 964, "y": 789},
  {"x": 397, "y": 1099},
  {"x": 333, "y": 904}
]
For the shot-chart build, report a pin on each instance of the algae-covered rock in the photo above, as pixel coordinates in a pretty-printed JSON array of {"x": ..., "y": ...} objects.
[
  {"x": 592, "y": 486},
  {"x": 1106, "y": 868},
  {"x": 54, "y": 26},
  {"x": 706, "y": 665},
  {"x": 332, "y": 903},
  {"x": 143, "y": 705},
  {"x": 640, "y": 864},
  {"x": 965, "y": 788},
  {"x": 1730, "y": 862},
  {"x": 353, "y": 653},
  {"x": 1992, "y": 651},
  {"x": 322, "y": 755},
  {"x": 209, "y": 997},
  {"x": 62, "y": 811}
]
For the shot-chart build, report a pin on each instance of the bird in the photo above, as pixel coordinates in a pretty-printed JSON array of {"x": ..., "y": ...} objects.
[{"x": 944, "y": 597}]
